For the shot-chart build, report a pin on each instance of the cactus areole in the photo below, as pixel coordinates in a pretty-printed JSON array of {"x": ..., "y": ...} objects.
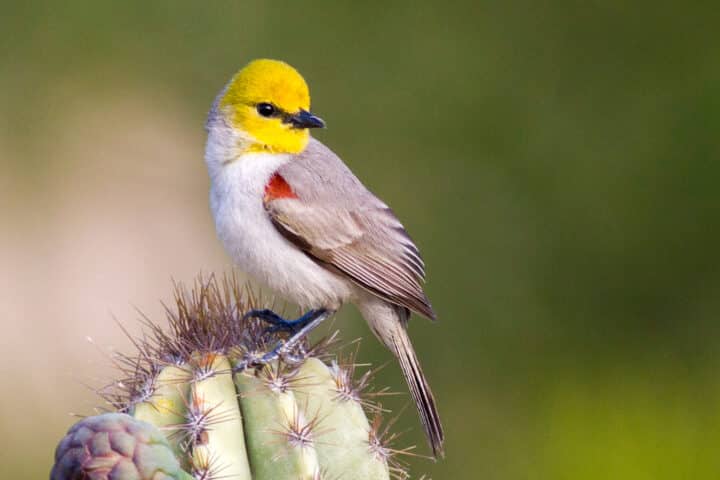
[{"x": 194, "y": 403}]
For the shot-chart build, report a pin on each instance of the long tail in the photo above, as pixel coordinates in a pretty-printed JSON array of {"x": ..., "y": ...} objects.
[{"x": 392, "y": 332}]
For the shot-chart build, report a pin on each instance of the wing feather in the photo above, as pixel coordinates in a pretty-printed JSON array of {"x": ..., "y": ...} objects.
[{"x": 344, "y": 227}]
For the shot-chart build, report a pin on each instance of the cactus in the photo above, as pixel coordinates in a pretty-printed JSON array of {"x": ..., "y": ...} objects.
[{"x": 223, "y": 415}]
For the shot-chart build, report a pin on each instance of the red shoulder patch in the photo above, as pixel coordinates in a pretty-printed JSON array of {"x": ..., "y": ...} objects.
[{"x": 277, "y": 188}]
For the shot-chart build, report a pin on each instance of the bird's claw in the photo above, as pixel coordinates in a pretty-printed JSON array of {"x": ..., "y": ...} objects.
[{"x": 298, "y": 329}]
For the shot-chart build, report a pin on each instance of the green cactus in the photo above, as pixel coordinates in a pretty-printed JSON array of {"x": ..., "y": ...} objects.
[{"x": 299, "y": 417}]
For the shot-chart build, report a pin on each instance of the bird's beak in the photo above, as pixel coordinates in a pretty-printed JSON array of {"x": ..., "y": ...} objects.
[{"x": 305, "y": 119}]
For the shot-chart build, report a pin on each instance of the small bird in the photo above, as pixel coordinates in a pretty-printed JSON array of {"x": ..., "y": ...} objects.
[{"x": 294, "y": 217}]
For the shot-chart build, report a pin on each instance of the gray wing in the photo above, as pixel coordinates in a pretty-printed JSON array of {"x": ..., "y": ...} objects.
[{"x": 344, "y": 227}]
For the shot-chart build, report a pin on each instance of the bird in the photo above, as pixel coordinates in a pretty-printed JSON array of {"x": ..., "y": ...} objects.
[{"x": 294, "y": 218}]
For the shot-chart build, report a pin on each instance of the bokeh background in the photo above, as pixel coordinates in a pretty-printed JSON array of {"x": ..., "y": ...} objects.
[{"x": 557, "y": 163}]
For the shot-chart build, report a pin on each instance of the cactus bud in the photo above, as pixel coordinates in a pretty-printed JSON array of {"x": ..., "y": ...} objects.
[{"x": 115, "y": 446}]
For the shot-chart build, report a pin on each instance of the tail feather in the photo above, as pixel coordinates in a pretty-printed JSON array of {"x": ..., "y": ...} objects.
[
  {"x": 389, "y": 323},
  {"x": 419, "y": 389}
]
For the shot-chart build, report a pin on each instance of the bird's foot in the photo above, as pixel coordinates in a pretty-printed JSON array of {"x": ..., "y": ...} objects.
[{"x": 298, "y": 328}]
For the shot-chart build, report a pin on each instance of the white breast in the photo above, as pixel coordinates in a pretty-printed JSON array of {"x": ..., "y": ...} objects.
[{"x": 244, "y": 227}]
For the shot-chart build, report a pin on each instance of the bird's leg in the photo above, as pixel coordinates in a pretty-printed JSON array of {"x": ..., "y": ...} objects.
[
  {"x": 314, "y": 318},
  {"x": 279, "y": 323},
  {"x": 299, "y": 327}
]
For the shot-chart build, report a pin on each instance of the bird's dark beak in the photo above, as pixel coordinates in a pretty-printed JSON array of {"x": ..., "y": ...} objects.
[{"x": 305, "y": 119}]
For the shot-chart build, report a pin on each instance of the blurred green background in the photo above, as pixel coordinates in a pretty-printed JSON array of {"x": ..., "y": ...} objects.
[{"x": 557, "y": 163}]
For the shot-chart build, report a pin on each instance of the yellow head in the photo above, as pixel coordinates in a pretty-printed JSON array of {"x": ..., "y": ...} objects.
[{"x": 269, "y": 102}]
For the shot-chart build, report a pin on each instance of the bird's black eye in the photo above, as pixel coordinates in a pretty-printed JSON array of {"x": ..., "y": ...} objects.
[{"x": 266, "y": 109}]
